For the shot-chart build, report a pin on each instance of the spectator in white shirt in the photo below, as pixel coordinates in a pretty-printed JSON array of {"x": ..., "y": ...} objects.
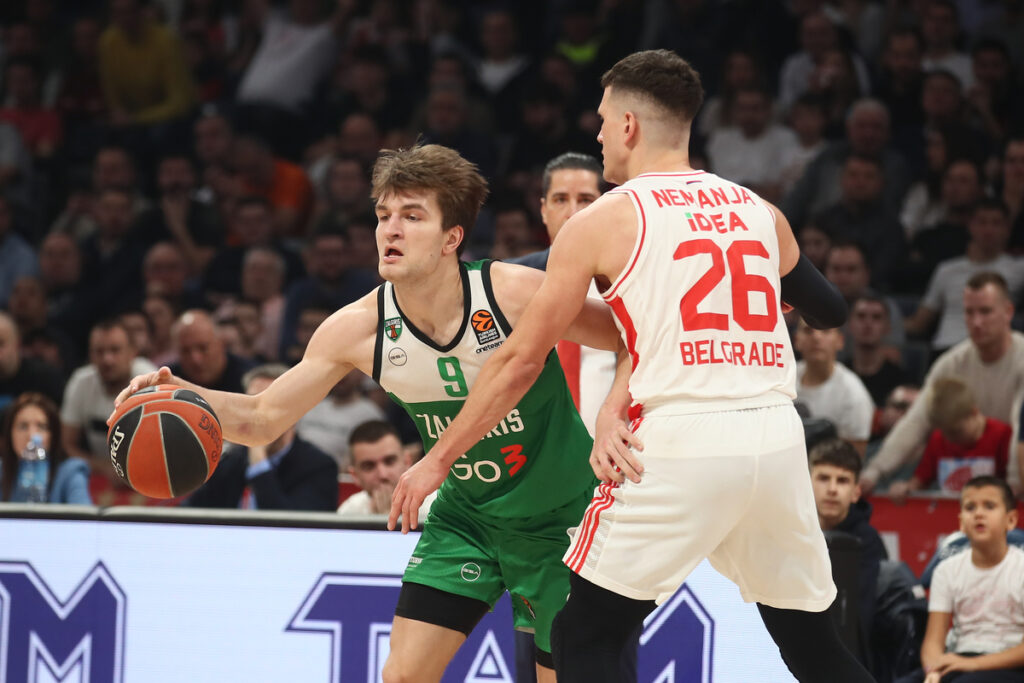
[{"x": 830, "y": 390}]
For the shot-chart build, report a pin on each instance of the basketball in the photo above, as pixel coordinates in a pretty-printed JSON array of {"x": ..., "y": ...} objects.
[{"x": 165, "y": 441}]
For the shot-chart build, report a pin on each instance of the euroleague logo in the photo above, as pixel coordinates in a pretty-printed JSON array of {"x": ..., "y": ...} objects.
[{"x": 484, "y": 327}]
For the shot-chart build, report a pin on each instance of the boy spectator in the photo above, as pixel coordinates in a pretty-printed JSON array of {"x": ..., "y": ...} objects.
[
  {"x": 285, "y": 474},
  {"x": 835, "y": 470},
  {"x": 830, "y": 390},
  {"x": 964, "y": 443},
  {"x": 980, "y": 593}
]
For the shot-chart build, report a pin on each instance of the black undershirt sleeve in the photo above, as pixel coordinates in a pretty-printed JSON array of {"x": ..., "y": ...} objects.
[{"x": 817, "y": 299}]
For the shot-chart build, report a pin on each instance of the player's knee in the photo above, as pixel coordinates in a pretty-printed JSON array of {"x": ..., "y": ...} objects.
[
  {"x": 593, "y": 614},
  {"x": 397, "y": 671}
]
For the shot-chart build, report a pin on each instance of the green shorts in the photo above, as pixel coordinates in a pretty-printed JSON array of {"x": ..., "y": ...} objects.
[{"x": 481, "y": 557}]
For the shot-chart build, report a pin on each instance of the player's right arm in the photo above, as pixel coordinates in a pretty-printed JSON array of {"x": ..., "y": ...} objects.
[
  {"x": 803, "y": 287},
  {"x": 342, "y": 342}
]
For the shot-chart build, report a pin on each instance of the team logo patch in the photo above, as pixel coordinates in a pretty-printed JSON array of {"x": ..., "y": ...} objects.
[
  {"x": 397, "y": 356},
  {"x": 484, "y": 327},
  {"x": 393, "y": 328},
  {"x": 470, "y": 571}
]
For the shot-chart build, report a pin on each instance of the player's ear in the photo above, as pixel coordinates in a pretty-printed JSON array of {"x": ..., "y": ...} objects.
[
  {"x": 856, "y": 493},
  {"x": 630, "y": 127},
  {"x": 1011, "y": 519},
  {"x": 453, "y": 238}
]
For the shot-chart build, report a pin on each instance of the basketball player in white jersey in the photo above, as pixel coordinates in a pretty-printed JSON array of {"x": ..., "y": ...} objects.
[{"x": 695, "y": 269}]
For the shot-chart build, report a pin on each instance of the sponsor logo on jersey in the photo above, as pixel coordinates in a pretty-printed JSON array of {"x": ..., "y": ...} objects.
[
  {"x": 393, "y": 328},
  {"x": 397, "y": 356},
  {"x": 484, "y": 327},
  {"x": 470, "y": 572}
]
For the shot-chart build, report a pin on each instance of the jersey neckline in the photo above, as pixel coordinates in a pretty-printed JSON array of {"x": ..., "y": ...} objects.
[
  {"x": 653, "y": 174},
  {"x": 422, "y": 336}
]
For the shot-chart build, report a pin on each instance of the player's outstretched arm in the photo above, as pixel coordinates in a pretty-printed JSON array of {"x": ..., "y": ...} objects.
[
  {"x": 803, "y": 287},
  {"x": 345, "y": 340}
]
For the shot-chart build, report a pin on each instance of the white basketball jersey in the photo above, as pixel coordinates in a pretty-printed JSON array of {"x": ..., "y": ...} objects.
[{"x": 698, "y": 303}]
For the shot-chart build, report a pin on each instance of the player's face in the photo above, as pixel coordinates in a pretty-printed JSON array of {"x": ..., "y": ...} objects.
[
  {"x": 983, "y": 514},
  {"x": 379, "y": 463},
  {"x": 410, "y": 240},
  {"x": 987, "y": 314},
  {"x": 610, "y": 137},
  {"x": 29, "y": 420},
  {"x": 835, "y": 490},
  {"x": 571, "y": 189}
]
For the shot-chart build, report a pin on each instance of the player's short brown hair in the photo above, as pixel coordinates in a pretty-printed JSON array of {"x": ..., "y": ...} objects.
[
  {"x": 456, "y": 182},
  {"x": 660, "y": 76},
  {"x": 950, "y": 401}
]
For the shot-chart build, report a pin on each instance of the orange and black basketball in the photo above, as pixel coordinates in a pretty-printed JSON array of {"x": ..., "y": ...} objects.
[
  {"x": 482, "y": 321},
  {"x": 165, "y": 441}
]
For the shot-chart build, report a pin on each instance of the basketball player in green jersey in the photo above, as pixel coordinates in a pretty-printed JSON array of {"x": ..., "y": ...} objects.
[{"x": 499, "y": 521}]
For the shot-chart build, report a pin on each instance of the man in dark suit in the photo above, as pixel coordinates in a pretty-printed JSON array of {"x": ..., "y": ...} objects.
[{"x": 286, "y": 474}]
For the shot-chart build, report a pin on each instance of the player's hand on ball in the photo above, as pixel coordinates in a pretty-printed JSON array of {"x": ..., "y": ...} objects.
[
  {"x": 614, "y": 455},
  {"x": 413, "y": 487},
  {"x": 161, "y": 376}
]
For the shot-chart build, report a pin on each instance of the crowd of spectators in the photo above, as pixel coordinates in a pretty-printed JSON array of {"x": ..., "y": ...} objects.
[{"x": 185, "y": 182}]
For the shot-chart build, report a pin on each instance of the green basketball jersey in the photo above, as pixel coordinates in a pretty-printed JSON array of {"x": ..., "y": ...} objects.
[{"x": 535, "y": 459}]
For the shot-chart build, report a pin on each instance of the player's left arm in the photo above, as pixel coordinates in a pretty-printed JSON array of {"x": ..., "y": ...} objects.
[
  {"x": 510, "y": 372},
  {"x": 803, "y": 287},
  {"x": 514, "y": 288}
]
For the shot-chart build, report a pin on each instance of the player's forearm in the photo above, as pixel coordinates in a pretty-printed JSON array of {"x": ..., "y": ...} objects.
[
  {"x": 502, "y": 382},
  {"x": 617, "y": 402}
]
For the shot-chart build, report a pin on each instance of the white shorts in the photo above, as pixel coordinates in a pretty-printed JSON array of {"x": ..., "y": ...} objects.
[{"x": 730, "y": 486}]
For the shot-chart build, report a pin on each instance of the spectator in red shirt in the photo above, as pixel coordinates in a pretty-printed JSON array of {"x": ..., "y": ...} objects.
[
  {"x": 39, "y": 126},
  {"x": 964, "y": 443}
]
